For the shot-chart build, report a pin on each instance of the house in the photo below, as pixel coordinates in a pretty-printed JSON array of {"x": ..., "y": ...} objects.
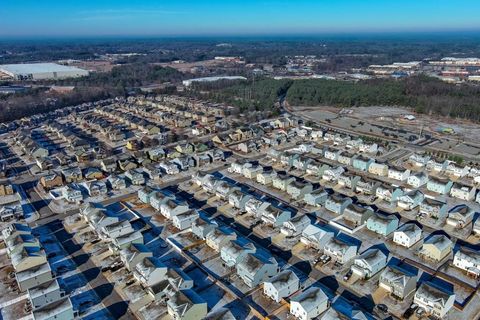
[
  {"x": 316, "y": 197},
  {"x": 51, "y": 181},
  {"x": 435, "y": 301},
  {"x": 298, "y": 189},
  {"x": 223, "y": 190},
  {"x": 92, "y": 173},
  {"x": 397, "y": 281},
  {"x": 331, "y": 154},
  {"x": 388, "y": 193},
  {"x": 237, "y": 167},
  {"x": 468, "y": 260},
  {"x": 20, "y": 241},
  {"x": 238, "y": 199},
  {"x": 169, "y": 167},
  {"x": 407, "y": 235},
  {"x": 72, "y": 193},
  {"x": 433, "y": 208},
  {"x": 96, "y": 188},
  {"x": 437, "y": 166},
  {"x": 150, "y": 271},
  {"x": 439, "y": 185},
  {"x": 378, "y": 169},
  {"x": 266, "y": 176},
  {"x": 418, "y": 160},
  {"x": 202, "y": 226},
  {"x": 127, "y": 164},
  {"x": 219, "y": 238},
  {"x": 309, "y": 304},
  {"x": 6, "y": 189},
  {"x": 398, "y": 173},
  {"x": 332, "y": 174},
  {"x": 460, "y": 216},
  {"x": 295, "y": 225},
  {"x": 337, "y": 203},
  {"x": 152, "y": 171},
  {"x": 339, "y": 250},
  {"x": 157, "y": 199},
  {"x": 184, "y": 220},
  {"x": 317, "y": 168},
  {"x": 108, "y": 165},
  {"x": 145, "y": 194},
  {"x": 362, "y": 163},
  {"x": 135, "y": 177},
  {"x": 456, "y": 170},
  {"x": 251, "y": 172},
  {"x": 275, "y": 216},
  {"x": 116, "y": 182},
  {"x": 173, "y": 207},
  {"x": 235, "y": 251},
  {"x": 369, "y": 263},
  {"x": 367, "y": 186},
  {"x": 281, "y": 181},
  {"x": 417, "y": 180},
  {"x": 34, "y": 276},
  {"x": 58, "y": 310},
  {"x": 27, "y": 258},
  {"x": 186, "y": 305},
  {"x": 316, "y": 236},
  {"x": 134, "y": 254},
  {"x": 357, "y": 214},
  {"x": 410, "y": 200},
  {"x": 348, "y": 180},
  {"x": 383, "y": 224},
  {"x": 256, "y": 268},
  {"x": 72, "y": 174},
  {"x": 346, "y": 158},
  {"x": 282, "y": 285},
  {"x": 463, "y": 192},
  {"x": 45, "y": 293},
  {"x": 436, "y": 248}
]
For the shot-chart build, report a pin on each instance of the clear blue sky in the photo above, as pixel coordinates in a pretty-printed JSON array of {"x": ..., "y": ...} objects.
[{"x": 232, "y": 17}]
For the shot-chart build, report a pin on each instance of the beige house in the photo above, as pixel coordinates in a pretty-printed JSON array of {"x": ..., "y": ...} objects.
[{"x": 436, "y": 248}]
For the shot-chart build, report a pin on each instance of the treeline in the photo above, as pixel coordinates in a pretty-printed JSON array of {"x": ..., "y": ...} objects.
[{"x": 423, "y": 94}]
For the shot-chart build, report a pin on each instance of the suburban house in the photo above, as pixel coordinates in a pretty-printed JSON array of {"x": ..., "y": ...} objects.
[
  {"x": 266, "y": 177},
  {"x": 417, "y": 180},
  {"x": 388, "y": 193},
  {"x": 45, "y": 293},
  {"x": 256, "y": 268},
  {"x": 332, "y": 174},
  {"x": 463, "y": 192},
  {"x": 369, "y": 263},
  {"x": 340, "y": 251},
  {"x": 468, "y": 260},
  {"x": 295, "y": 225},
  {"x": 251, "y": 172},
  {"x": 367, "y": 186},
  {"x": 460, "y": 216},
  {"x": 51, "y": 181},
  {"x": 281, "y": 285},
  {"x": 173, "y": 207},
  {"x": 348, "y": 180},
  {"x": 383, "y": 224},
  {"x": 433, "y": 208},
  {"x": 135, "y": 177},
  {"x": 398, "y": 173},
  {"x": 34, "y": 276},
  {"x": 150, "y": 271},
  {"x": 337, "y": 203},
  {"x": 202, "y": 226},
  {"x": 275, "y": 216},
  {"x": 116, "y": 182},
  {"x": 407, "y": 235},
  {"x": 397, "y": 281},
  {"x": 238, "y": 199},
  {"x": 346, "y": 158},
  {"x": 437, "y": 166},
  {"x": 436, "y": 248},
  {"x": 456, "y": 170},
  {"x": 185, "y": 220},
  {"x": 281, "y": 181},
  {"x": 439, "y": 185},
  {"x": 410, "y": 200},
  {"x": 298, "y": 189},
  {"x": 134, "y": 254},
  {"x": 235, "y": 251},
  {"x": 433, "y": 300},
  {"x": 72, "y": 193},
  {"x": 72, "y": 174},
  {"x": 316, "y": 197},
  {"x": 316, "y": 236},
  {"x": 309, "y": 304},
  {"x": 27, "y": 258},
  {"x": 362, "y": 163},
  {"x": 219, "y": 238},
  {"x": 186, "y": 305},
  {"x": 419, "y": 160},
  {"x": 60, "y": 309},
  {"x": 224, "y": 189},
  {"x": 379, "y": 169},
  {"x": 357, "y": 214}
]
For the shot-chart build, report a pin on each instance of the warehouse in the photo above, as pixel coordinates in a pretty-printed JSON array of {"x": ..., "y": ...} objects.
[{"x": 41, "y": 71}]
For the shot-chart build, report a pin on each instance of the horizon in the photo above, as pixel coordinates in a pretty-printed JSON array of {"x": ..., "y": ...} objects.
[{"x": 249, "y": 18}]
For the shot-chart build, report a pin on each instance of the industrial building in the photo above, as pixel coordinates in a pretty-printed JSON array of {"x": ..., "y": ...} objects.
[{"x": 41, "y": 71}]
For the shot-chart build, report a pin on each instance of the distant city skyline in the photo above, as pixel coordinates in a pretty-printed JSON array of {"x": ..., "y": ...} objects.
[{"x": 248, "y": 17}]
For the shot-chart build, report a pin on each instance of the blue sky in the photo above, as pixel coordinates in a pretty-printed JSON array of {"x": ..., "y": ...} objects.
[{"x": 232, "y": 17}]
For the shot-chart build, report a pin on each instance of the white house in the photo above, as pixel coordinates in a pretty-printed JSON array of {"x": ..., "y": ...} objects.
[
  {"x": 463, "y": 192},
  {"x": 460, "y": 216},
  {"x": 398, "y": 173},
  {"x": 316, "y": 236},
  {"x": 309, "y": 304},
  {"x": 433, "y": 300},
  {"x": 282, "y": 285},
  {"x": 410, "y": 200},
  {"x": 295, "y": 225},
  {"x": 339, "y": 250},
  {"x": 256, "y": 268},
  {"x": 407, "y": 235},
  {"x": 468, "y": 260},
  {"x": 369, "y": 263},
  {"x": 418, "y": 179},
  {"x": 397, "y": 281}
]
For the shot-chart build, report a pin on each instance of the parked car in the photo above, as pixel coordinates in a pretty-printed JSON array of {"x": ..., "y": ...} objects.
[{"x": 348, "y": 275}]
